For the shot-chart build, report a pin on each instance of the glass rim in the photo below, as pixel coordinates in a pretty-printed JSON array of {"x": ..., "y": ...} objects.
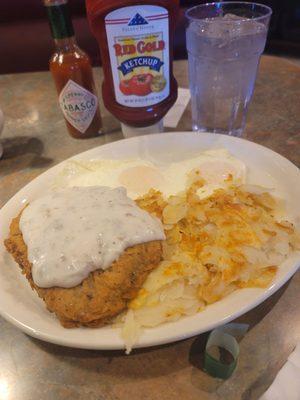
[{"x": 205, "y": 5}]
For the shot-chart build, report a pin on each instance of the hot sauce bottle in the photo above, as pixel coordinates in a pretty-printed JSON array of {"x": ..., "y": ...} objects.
[
  {"x": 72, "y": 72},
  {"x": 136, "y": 44}
]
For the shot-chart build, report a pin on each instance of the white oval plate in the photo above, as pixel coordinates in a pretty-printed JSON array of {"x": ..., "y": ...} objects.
[{"x": 22, "y": 307}]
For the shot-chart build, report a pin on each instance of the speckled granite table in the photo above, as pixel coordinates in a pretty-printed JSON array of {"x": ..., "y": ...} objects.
[{"x": 35, "y": 139}]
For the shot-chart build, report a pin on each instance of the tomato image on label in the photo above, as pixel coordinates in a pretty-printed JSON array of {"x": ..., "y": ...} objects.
[
  {"x": 125, "y": 87},
  {"x": 141, "y": 84}
]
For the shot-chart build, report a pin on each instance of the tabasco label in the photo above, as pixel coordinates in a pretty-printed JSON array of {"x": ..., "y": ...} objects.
[
  {"x": 78, "y": 105},
  {"x": 138, "y": 42}
]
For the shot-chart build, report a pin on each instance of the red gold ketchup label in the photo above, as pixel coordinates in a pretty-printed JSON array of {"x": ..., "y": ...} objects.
[{"x": 138, "y": 42}]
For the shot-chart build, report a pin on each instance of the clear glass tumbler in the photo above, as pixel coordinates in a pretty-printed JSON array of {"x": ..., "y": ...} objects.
[{"x": 224, "y": 43}]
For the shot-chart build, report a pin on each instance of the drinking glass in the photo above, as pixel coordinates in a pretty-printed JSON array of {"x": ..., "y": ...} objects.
[{"x": 224, "y": 41}]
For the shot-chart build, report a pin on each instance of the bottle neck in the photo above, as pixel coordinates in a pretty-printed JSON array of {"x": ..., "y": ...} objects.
[{"x": 59, "y": 19}]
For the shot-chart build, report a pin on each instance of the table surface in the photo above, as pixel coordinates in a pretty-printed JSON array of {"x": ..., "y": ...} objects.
[{"x": 34, "y": 139}]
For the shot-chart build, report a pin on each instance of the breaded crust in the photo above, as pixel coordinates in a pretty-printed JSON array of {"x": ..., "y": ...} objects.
[{"x": 103, "y": 294}]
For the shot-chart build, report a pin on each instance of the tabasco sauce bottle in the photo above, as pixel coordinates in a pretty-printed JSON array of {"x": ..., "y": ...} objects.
[
  {"x": 135, "y": 38},
  {"x": 72, "y": 73}
]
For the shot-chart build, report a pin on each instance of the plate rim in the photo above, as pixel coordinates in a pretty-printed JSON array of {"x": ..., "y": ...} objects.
[{"x": 65, "y": 341}]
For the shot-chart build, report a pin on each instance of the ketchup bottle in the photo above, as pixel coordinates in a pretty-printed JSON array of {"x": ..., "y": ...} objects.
[
  {"x": 136, "y": 44},
  {"x": 72, "y": 72}
]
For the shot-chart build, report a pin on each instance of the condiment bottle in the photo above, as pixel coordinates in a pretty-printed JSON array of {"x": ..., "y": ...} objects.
[
  {"x": 72, "y": 72},
  {"x": 136, "y": 44}
]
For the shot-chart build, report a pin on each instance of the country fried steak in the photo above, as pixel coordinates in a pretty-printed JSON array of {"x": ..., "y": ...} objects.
[{"x": 99, "y": 297}]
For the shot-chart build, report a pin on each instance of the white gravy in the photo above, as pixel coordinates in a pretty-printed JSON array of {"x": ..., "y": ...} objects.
[{"x": 75, "y": 231}]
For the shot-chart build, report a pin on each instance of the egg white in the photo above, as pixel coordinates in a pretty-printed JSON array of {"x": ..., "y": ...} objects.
[{"x": 139, "y": 176}]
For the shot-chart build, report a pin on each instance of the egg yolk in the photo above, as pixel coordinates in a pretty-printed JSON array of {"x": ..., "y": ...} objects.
[{"x": 140, "y": 179}]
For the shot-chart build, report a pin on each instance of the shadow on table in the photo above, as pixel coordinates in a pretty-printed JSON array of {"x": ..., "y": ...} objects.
[
  {"x": 251, "y": 318},
  {"x": 150, "y": 362},
  {"x": 139, "y": 364},
  {"x": 28, "y": 152}
]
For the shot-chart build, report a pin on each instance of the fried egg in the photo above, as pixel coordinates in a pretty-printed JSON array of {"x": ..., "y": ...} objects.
[{"x": 139, "y": 176}]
